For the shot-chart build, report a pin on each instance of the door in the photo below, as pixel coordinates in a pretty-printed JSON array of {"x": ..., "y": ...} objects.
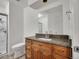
[
  {"x": 46, "y": 51},
  {"x": 36, "y": 51}
]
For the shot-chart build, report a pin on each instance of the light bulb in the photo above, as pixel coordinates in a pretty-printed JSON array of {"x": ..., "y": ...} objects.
[{"x": 40, "y": 15}]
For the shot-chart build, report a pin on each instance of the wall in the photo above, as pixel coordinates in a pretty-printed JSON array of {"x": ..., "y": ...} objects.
[
  {"x": 55, "y": 20},
  {"x": 74, "y": 6},
  {"x": 71, "y": 26},
  {"x": 21, "y": 3},
  {"x": 44, "y": 21},
  {"x": 66, "y": 20},
  {"x": 16, "y": 25},
  {"x": 30, "y": 22}
]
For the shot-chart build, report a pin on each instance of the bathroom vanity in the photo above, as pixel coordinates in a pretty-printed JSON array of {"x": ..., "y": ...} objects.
[{"x": 37, "y": 48}]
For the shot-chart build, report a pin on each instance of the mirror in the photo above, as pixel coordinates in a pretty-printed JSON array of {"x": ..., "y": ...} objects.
[{"x": 51, "y": 20}]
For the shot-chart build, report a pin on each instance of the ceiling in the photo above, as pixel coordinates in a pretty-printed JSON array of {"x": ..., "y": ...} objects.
[
  {"x": 31, "y": 1},
  {"x": 22, "y": 3},
  {"x": 52, "y": 10},
  {"x": 3, "y": 3}
]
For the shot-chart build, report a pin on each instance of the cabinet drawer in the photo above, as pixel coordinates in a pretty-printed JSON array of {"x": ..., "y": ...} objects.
[
  {"x": 55, "y": 56},
  {"x": 41, "y": 44},
  {"x": 62, "y": 51}
]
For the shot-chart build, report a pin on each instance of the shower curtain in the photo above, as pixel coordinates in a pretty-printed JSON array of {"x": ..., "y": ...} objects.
[{"x": 3, "y": 33}]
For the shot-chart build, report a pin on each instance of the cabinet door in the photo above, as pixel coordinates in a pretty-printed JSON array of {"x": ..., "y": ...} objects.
[
  {"x": 29, "y": 54},
  {"x": 36, "y": 51},
  {"x": 28, "y": 49},
  {"x": 46, "y": 51},
  {"x": 63, "y": 51}
]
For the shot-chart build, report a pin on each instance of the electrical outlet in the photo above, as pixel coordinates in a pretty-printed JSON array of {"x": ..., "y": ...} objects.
[{"x": 76, "y": 49}]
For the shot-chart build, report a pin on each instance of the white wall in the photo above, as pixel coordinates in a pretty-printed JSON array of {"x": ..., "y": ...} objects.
[
  {"x": 44, "y": 21},
  {"x": 55, "y": 20},
  {"x": 74, "y": 6},
  {"x": 16, "y": 25},
  {"x": 30, "y": 22},
  {"x": 71, "y": 26},
  {"x": 66, "y": 21}
]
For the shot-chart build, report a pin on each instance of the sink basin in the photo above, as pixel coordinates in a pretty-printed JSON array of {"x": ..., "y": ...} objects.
[{"x": 44, "y": 39}]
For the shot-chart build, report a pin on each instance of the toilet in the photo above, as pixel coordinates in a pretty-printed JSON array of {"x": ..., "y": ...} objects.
[{"x": 18, "y": 50}]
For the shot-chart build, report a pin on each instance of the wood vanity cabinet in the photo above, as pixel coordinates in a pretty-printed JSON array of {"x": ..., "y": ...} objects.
[{"x": 39, "y": 50}]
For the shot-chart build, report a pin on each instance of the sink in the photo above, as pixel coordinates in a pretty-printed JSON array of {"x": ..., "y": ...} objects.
[
  {"x": 44, "y": 39},
  {"x": 53, "y": 36}
]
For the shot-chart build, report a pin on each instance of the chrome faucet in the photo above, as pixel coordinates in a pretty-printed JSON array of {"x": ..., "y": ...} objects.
[{"x": 46, "y": 35}]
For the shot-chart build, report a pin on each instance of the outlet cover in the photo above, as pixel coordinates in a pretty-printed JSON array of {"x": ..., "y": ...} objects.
[{"x": 76, "y": 49}]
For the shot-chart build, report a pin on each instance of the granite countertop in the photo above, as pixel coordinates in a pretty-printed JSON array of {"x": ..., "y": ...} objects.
[{"x": 61, "y": 42}]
